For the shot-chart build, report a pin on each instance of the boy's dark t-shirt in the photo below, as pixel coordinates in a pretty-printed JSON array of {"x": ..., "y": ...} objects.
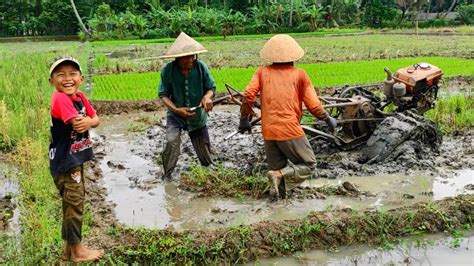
[{"x": 68, "y": 148}]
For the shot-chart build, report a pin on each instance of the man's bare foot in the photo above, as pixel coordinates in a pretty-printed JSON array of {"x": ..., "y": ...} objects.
[
  {"x": 66, "y": 252},
  {"x": 81, "y": 253}
]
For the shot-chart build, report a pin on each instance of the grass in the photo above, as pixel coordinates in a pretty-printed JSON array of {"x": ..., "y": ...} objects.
[
  {"x": 143, "y": 86},
  {"x": 224, "y": 181},
  {"x": 453, "y": 112}
]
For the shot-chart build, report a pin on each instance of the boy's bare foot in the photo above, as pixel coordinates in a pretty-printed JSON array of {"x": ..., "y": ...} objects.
[
  {"x": 66, "y": 252},
  {"x": 81, "y": 253}
]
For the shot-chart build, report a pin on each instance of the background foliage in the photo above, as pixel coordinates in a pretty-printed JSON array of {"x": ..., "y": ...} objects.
[{"x": 127, "y": 19}]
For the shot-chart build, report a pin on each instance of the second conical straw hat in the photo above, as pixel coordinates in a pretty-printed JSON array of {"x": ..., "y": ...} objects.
[
  {"x": 281, "y": 48},
  {"x": 183, "y": 46}
]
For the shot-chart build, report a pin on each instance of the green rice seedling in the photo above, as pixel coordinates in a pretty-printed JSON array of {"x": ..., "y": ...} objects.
[
  {"x": 453, "y": 112},
  {"x": 145, "y": 85}
]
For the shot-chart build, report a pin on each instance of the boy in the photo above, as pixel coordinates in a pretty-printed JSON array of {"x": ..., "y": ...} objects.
[{"x": 71, "y": 117}]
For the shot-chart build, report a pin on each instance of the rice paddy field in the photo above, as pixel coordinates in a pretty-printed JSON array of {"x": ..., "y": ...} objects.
[
  {"x": 130, "y": 70},
  {"x": 143, "y": 86}
]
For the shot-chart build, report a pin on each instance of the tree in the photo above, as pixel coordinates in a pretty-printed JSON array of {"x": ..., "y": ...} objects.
[
  {"x": 378, "y": 11},
  {"x": 79, "y": 20}
]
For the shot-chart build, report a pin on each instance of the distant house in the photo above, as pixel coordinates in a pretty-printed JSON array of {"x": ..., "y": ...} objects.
[{"x": 429, "y": 16}]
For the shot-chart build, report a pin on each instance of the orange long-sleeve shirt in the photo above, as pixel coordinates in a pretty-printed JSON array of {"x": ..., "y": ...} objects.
[{"x": 283, "y": 89}]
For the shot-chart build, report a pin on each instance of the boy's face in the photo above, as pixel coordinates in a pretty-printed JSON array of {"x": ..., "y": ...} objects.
[{"x": 66, "y": 78}]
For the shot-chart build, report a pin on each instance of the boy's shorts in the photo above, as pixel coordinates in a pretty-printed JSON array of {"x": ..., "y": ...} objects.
[{"x": 72, "y": 191}]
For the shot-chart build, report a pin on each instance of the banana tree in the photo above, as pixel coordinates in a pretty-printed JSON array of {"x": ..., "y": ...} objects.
[{"x": 313, "y": 14}]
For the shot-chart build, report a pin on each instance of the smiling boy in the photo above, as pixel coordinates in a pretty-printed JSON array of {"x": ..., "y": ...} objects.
[{"x": 71, "y": 117}]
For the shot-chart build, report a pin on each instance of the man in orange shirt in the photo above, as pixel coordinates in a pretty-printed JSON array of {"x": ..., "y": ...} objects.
[{"x": 283, "y": 88}]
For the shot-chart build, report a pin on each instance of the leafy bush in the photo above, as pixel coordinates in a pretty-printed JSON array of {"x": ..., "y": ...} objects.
[{"x": 466, "y": 14}]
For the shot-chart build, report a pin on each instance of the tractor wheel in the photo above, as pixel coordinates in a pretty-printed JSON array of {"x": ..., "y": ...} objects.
[{"x": 387, "y": 139}]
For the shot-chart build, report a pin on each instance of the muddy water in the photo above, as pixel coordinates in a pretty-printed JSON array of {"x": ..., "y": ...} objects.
[
  {"x": 392, "y": 190},
  {"x": 131, "y": 175},
  {"x": 9, "y": 189},
  {"x": 442, "y": 252}
]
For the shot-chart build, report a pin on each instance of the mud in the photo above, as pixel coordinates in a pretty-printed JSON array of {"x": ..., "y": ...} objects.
[
  {"x": 129, "y": 165},
  {"x": 118, "y": 107},
  {"x": 246, "y": 153},
  {"x": 6, "y": 211},
  {"x": 125, "y": 189},
  {"x": 402, "y": 138}
]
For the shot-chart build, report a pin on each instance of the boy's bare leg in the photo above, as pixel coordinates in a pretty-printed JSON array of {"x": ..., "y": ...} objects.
[
  {"x": 81, "y": 253},
  {"x": 66, "y": 252}
]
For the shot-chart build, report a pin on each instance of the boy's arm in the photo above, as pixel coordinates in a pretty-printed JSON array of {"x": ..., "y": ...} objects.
[{"x": 82, "y": 124}]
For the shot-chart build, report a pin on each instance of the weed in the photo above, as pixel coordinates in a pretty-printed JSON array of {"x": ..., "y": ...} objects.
[
  {"x": 136, "y": 127},
  {"x": 224, "y": 181}
]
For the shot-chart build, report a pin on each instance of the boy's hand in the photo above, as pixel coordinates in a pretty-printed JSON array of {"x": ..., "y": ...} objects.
[{"x": 81, "y": 124}]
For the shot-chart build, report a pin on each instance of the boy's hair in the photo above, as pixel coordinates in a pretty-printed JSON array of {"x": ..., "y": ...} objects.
[{"x": 62, "y": 60}]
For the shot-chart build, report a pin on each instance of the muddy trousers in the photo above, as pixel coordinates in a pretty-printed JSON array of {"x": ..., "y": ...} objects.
[
  {"x": 295, "y": 158},
  {"x": 199, "y": 138},
  {"x": 72, "y": 191}
]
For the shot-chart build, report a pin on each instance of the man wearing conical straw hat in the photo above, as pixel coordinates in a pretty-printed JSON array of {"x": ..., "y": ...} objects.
[
  {"x": 186, "y": 89},
  {"x": 283, "y": 88}
]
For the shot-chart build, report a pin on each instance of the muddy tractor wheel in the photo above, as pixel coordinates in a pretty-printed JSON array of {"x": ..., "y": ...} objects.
[
  {"x": 364, "y": 111},
  {"x": 407, "y": 127}
]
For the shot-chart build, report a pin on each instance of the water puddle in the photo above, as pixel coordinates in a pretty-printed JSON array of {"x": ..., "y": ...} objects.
[
  {"x": 438, "y": 251},
  {"x": 127, "y": 171},
  {"x": 398, "y": 190},
  {"x": 9, "y": 189}
]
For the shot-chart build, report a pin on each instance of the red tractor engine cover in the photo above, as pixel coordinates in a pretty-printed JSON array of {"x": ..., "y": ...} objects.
[{"x": 418, "y": 76}]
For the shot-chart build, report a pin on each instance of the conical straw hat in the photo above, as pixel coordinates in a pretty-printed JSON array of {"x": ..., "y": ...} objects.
[
  {"x": 281, "y": 48},
  {"x": 183, "y": 46}
]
